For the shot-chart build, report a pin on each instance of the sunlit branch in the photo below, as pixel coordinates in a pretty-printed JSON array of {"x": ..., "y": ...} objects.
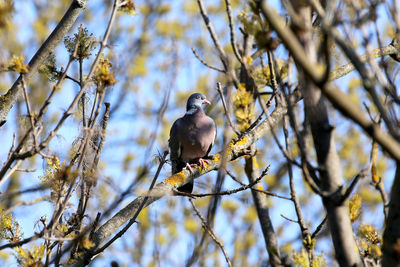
[{"x": 211, "y": 232}]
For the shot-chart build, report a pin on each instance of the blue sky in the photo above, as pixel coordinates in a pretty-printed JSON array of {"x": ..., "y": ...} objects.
[{"x": 122, "y": 128}]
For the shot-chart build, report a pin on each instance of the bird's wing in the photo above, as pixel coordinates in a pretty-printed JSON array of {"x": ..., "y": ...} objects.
[
  {"x": 213, "y": 136},
  {"x": 175, "y": 146}
]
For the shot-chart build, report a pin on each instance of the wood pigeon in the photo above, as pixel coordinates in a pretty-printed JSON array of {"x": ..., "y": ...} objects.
[{"x": 191, "y": 137}]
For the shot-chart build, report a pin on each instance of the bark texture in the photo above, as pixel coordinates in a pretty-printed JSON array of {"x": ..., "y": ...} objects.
[
  {"x": 391, "y": 236},
  {"x": 260, "y": 201},
  {"x": 324, "y": 142}
]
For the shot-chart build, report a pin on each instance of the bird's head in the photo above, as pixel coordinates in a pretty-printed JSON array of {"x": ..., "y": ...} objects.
[{"x": 196, "y": 101}]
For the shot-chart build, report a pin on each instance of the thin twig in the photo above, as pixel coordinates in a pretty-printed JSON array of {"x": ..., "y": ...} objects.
[
  {"x": 21, "y": 192},
  {"x": 205, "y": 63},
  {"x": 42, "y": 110},
  {"x": 30, "y": 116},
  {"x": 312, "y": 180},
  {"x": 353, "y": 183},
  {"x": 213, "y": 35},
  {"x": 222, "y": 193},
  {"x": 42, "y": 53},
  {"x": 377, "y": 183},
  {"x": 209, "y": 230},
  {"x": 133, "y": 219},
  {"x": 305, "y": 232},
  {"x": 21, "y": 242},
  {"x": 268, "y": 193},
  {"x": 11, "y": 148},
  {"x": 106, "y": 117},
  {"x": 254, "y": 124},
  {"x": 227, "y": 113},
  {"x": 25, "y": 203},
  {"x": 10, "y": 172},
  {"x": 319, "y": 227},
  {"x": 384, "y": 196},
  {"x": 103, "y": 44},
  {"x": 232, "y": 31},
  {"x": 72, "y": 79},
  {"x": 290, "y": 220},
  {"x": 25, "y": 170},
  {"x": 95, "y": 224}
]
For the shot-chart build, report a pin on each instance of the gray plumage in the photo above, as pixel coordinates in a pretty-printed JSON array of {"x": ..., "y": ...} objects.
[{"x": 192, "y": 136}]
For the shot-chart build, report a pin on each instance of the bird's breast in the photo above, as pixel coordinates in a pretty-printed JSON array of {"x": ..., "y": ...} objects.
[{"x": 196, "y": 140}]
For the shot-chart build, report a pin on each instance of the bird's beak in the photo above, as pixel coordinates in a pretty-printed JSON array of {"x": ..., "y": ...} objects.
[{"x": 206, "y": 101}]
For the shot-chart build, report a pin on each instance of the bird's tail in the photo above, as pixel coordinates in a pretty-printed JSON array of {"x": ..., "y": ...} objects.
[{"x": 186, "y": 188}]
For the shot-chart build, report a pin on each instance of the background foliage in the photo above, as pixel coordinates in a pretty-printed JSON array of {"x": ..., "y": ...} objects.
[{"x": 146, "y": 72}]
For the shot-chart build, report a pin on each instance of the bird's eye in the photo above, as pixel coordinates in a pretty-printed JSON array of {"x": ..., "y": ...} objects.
[{"x": 198, "y": 97}]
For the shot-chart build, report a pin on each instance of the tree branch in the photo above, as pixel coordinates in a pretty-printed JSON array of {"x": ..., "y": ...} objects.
[
  {"x": 213, "y": 35},
  {"x": 262, "y": 208},
  {"x": 232, "y": 31},
  {"x": 317, "y": 116},
  {"x": 166, "y": 187},
  {"x": 222, "y": 193},
  {"x": 7, "y": 101},
  {"x": 210, "y": 231},
  {"x": 227, "y": 113},
  {"x": 338, "y": 99},
  {"x": 391, "y": 235},
  {"x": 392, "y": 49},
  {"x": 205, "y": 63}
]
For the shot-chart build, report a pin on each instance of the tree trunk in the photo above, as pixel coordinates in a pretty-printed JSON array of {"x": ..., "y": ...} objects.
[
  {"x": 261, "y": 204},
  {"x": 391, "y": 236},
  {"x": 328, "y": 162}
]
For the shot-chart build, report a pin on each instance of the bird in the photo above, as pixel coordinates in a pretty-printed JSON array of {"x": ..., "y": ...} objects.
[{"x": 191, "y": 137}]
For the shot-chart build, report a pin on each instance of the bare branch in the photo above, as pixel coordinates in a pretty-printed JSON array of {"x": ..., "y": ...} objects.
[
  {"x": 391, "y": 234},
  {"x": 213, "y": 35},
  {"x": 21, "y": 242},
  {"x": 106, "y": 117},
  {"x": 353, "y": 184},
  {"x": 15, "y": 153},
  {"x": 166, "y": 187},
  {"x": 303, "y": 51},
  {"x": 64, "y": 26},
  {"x": 232, "y": 31},
  {"x": 222, "y": 193},
  {"x": 142, "y": 204},
  {"x": 67, "y": 113},
  {"x": 10, "y": 172},
  {"x": 261, "y": 204},
  {"x": 268, "y": 193},
  {"x": 25, "y": 203},
  {"x": 368, "y": 79},
  {"x": 205, "y": 63},
  {"x": 319, "y": 227},
  {"x": 334, "y": 95},
  {"x": 227, "y": 113},
  {"x": 30, "y": 116},
  {"x": 341, "y": 71},
  {"x": 211, "y": 232}
]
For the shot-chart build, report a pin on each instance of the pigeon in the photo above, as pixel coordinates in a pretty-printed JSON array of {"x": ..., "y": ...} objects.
[{"x": 191, "y": 137}]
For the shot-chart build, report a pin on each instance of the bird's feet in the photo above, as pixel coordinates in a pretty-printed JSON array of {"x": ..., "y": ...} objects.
[
  {"x": 203, "y": 162},
  {"x": 189, "y": 168}
]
